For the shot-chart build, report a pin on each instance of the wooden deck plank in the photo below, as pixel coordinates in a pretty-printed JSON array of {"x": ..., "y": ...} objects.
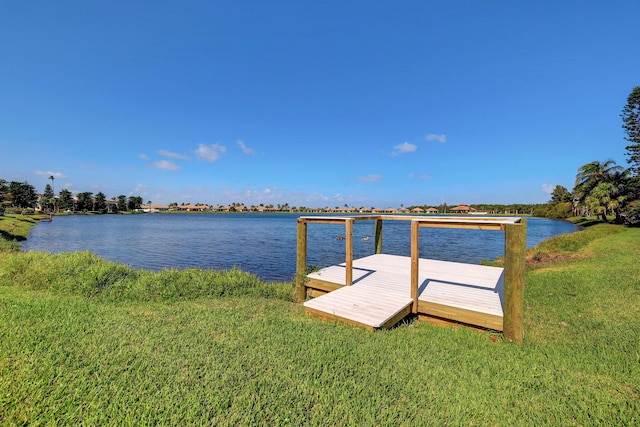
[
  {"x": 381, "y": 291},
  {"x": 359, "y": 304}
]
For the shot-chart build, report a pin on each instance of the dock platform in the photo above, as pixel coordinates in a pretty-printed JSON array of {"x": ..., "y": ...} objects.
[
  {"x": 380, "y": 295},
  {"x": 379, "y": 290}
]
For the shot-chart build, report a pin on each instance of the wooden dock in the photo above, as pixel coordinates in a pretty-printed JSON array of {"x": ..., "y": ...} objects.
[{"x": 380, "y": 290}]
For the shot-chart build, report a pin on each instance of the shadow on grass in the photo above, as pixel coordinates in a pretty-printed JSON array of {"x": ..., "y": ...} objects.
[
  {"x": 11, "y": 237},
  {"x": 587, "y": 222}
]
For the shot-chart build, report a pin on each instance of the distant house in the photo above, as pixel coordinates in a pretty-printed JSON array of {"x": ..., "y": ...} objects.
[
  {"x": 193, "y": 208},
  {"x": 432, "y": 210},
  {"x": 462, "y": 208},
  {"x": 112, "y": 206},
  {"x": 154, "y": 208},
  {"x": 417, "y": 210}
]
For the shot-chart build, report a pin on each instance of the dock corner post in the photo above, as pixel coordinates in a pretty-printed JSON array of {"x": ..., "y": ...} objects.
[
  {"x": 514, "y": 281},
  {"x": 415, "y": 259},
  {"x": 378, "y": 237},
  {"x": 349, "y": 251},
  {"x": 301, "y": 261}
]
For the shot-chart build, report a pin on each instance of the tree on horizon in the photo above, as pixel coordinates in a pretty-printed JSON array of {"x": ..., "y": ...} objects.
[
  {"x": 631, "y": 125},
  {"x": 48, "y": 197},
  {"x": 66, "y": 200}
]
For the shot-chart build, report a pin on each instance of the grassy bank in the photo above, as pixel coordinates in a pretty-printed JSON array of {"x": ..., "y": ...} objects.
[
  {"x": 14, "y": 229},
  {"x": 86, "y": 341}
]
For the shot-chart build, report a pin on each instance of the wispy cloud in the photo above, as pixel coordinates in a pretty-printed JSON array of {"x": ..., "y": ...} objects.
[
  {"x": 420, "y": 176},
  {"x": 370, "y": 178},
  {"x": 547, "y": 188},
  {"x": 244, "y": 148},
  {"x": 171, "y": 154},
  {"x": 403, "y": 148},
  {"x": 435, "y": 137},
  {"x": 138, "y": 188},
  {"x": 47, "y": 174},
  {"x": 166, "y": 165},
  {"x": 210, "y": 153},
  {"x": 143, "y": 156}
]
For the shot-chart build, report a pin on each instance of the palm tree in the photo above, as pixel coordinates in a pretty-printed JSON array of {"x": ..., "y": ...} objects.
[
  {"x": 601, "y": 186},
  {"x": 592, "y": 174},
  {"x": 606, "y": 197}
]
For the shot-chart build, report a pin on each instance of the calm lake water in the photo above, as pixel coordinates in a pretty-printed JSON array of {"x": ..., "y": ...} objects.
[{"x": 264, "y": 244}]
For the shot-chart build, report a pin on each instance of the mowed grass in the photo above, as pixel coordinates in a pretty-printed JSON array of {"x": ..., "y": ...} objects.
[
  {"x": 13, "y": 229},
  {"x": 83, "y": 341}
]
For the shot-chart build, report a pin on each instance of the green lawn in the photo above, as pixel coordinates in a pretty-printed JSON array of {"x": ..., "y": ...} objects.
[{"x": 86, "y": 341}]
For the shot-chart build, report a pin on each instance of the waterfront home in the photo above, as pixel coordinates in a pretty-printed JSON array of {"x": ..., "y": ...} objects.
[{"x": 462, "y": 208}]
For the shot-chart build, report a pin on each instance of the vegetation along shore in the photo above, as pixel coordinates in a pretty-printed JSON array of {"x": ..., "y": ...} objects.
[{"x": 86, "y": 341}]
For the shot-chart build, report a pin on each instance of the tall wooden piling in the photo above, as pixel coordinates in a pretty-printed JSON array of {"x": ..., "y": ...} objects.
[
  {"x": 301, "y": 261},
  {"x": 514, "y": 281},
  {"x": 415, "y": 260},
  {"x": 348, "y": 225},
  {"x": 378, "y": 238}
]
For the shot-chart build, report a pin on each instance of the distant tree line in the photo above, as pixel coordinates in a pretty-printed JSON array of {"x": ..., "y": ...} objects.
[
  {"x": 603, "y": 188},
  {"x": 22, "y": 195}
]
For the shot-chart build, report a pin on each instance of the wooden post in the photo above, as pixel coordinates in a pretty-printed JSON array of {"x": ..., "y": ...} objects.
[
  {"x": 415, "y": 256},
  {"x": 348, "y": 225},
  {"x": 301, "y": 261},
  {"x": 378, "y": 240},
  {"x": 514, "y": 281}
]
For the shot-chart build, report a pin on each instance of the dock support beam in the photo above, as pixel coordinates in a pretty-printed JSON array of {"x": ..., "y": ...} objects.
[
  {"x": 514, "y": 281},
  {"x": 415, "y": 260},
  {"x": 301, "y": 262},
  {"x": 348, "y": 225},
  {"x": 378, "y": 241}
]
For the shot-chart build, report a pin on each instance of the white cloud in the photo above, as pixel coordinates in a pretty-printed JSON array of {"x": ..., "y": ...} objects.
[
  {"x": 547, "y": 188},
  {"x": 143, "y": 156},
  {"x": 165, "y": 164},
  {"x": 419, "y": 176},
  {"x": 210, "y": 153},
  {"x": 171, "y": 154},
  {"x": 140, "y": 188},
  {"x": 403, "y": 148},
  {"x": 56, "y": 175},
  {"x": 244, "y": 148},
  {"x": 434, "y": 137},
  {"x": 370, "y": 178}
]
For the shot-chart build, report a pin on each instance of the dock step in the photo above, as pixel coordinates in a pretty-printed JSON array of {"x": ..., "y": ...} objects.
[{"x": 361, "y": 305}]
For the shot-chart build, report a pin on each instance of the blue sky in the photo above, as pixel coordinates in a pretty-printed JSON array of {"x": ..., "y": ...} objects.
[{"x": 314, "y": 103}]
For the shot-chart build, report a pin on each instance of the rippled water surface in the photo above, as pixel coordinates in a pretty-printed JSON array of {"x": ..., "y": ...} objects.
[{"x": 264, "y": 244}]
